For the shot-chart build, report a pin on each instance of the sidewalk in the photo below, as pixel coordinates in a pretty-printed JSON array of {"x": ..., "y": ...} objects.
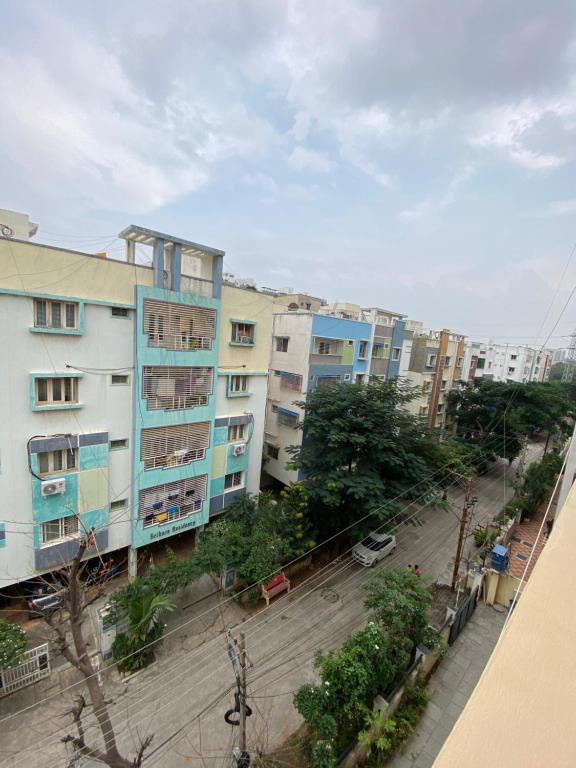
[{"x": 450, "y": 687}]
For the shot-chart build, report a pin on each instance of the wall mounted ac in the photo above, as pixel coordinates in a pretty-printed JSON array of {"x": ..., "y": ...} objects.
[
  {"x": 53, "y": 487},
  {"x": 239, "y": 449}
]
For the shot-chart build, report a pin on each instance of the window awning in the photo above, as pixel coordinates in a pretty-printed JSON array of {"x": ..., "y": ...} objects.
[{"x": 287, "y": 412}]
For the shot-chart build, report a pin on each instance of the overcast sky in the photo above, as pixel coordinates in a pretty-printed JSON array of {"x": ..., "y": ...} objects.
[{"x": 414, "y": 155}]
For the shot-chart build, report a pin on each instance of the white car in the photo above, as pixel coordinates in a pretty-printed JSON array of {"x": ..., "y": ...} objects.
[{"x": 373, "y": 548}]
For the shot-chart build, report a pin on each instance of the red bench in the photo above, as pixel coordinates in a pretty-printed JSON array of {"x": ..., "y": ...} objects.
[{"x": 278, "y": 584}]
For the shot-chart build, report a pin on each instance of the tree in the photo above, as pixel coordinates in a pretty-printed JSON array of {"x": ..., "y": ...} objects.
[
  {"x": 361, "y": 448},
  {"x": 134, "y": 649},
  {"x": 398, "y": 603},
  {"x": 76, "y": 598},
  {"x": 13, "y": 642},
  {"x": 497, "y": 416}
]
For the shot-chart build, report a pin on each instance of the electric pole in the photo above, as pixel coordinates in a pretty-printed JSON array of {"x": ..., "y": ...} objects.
[
  {"x": 463, "y": 524},
  {"x": 242, "y": 741}
]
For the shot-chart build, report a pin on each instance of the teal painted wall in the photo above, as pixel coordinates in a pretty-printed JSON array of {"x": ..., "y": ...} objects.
[
  {"x": 220, "y": 435},
  {"x": 94, "y": 456},
  {"x": 143, "y": 418},
  {"x": 216, "y": 486}
]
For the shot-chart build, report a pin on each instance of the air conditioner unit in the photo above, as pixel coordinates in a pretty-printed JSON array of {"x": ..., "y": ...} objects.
[
  {"x": 239, "y": 449},
  {"x": 53, "y": 487},
  {"x": 347, "y": 377}
]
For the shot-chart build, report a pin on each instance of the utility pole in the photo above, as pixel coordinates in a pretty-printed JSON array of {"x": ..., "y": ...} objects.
[
  {"x": 463, "y": 524},
  {"x": 242, "y": 742}
]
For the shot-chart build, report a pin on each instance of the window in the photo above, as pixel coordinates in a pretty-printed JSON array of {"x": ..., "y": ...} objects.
[
  {"x": 362, "y": 349},
  {"x": 288, "y": 419},
  {"x": 459, "y": 363},
  {"x": 234, "y": 480},
  {"x": 440, "y": 408},
  {"x": 236, "y": 432},
  {"x": 360, "y": 378},
  {"x": 274, "y": 409},
  {"x": 118, "y": 311},
  {"x": 55, "y": 314},
  {"x": 430, "y": 361},
  {"x": 513, "y": 357},
  {"x": 277, "y": 373},
  {"x": 118, "y": 378},
  {"x": 327, "y": 346},
  {"x": 443, "y": 385},
  {"x": 242, "y": 333},
  {"x": 447, "y": 361},
  {"x": 56, "y": 530},
  {"x": 239, "y": 384},
  {"x": 378, "y": 350},
  {"x": 292, "y": 381},
  {"x": 116, "y": 445},
  {"x": 396, "y": 352},
  {"x": 56, "y": 391},
  {"x": 118, "y": 505},
  {"x": 50, "y": 462},
  {"x": 511, "y": 369},
  {"x": 281, "y": 344},
  {"x": 272, "y": 451},
  {"x": 308, "y": 306},
  {"x": 323, "y": 381}
]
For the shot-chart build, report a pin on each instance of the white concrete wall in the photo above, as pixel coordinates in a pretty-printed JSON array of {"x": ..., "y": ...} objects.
[
  {"x": 298, "y": 328},
  {"x": 107, "y": 343},
  {"x": 240, "y": 406}
]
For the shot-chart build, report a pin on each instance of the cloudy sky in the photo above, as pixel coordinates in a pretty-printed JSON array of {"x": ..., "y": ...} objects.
[{"x": 415, "y": 155}]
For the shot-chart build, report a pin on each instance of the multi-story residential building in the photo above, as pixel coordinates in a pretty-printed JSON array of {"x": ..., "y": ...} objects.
[
  {"x": 308, "y": 350},
  {"x": 297, "y": 302},
  {"x": 133, "y": 397},
  {"x": 510, "y": 363},
  {"x": 435, "y": 367}
]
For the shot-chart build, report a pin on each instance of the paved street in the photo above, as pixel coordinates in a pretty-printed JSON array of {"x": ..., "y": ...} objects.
[
  {"x": 182, "y": 698},
  {"x": 451, "y": 686}
]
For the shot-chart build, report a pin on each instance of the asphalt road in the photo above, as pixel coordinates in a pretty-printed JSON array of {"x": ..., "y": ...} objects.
[{"x": 183, "y": 697}]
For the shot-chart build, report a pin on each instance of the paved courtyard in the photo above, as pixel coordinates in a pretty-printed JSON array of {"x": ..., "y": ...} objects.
[{"x": 451, "y": 686}]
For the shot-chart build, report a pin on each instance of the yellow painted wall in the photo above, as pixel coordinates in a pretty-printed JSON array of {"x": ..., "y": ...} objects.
[
  {"x": 93, "y": 489},
  {"x": 219, "y": 454},
  {"x": 242, "y": 304},
  {"x": 54, "y": 271}
]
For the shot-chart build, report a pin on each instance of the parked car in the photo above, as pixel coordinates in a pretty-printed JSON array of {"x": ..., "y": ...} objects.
[
  {"x": 43, "y": 600},
  {"x": 373, "y": 548}
]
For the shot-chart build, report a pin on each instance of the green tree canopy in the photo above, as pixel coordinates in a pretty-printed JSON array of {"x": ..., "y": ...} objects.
[
  {"x": 361, "y": 447},
  {"x": 13, "y": 641}
]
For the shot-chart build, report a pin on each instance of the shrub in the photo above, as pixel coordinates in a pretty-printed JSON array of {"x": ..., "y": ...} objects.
[{"x": 13, "y": 641}]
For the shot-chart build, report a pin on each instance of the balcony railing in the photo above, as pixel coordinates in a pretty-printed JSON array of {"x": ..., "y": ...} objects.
[
  {"x": 175, "y": 459},
  {"x": 197, "y": 285},
  {"x": 176, "y": 402},
  {"x": 170, "y": 514},
  {"x": 179, "y": 341}
]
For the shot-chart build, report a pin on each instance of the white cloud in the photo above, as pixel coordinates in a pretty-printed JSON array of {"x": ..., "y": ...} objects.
[
  {"x": 301, "y": 126},
  {"x": 432, "y": 206},
  {"x": 303, "y": 159},
  {"x": 519, "y": 129},
  {"x": 261, "y": 181}
]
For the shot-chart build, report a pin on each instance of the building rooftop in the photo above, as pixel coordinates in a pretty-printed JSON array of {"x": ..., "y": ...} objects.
[
  {"x": 525, "y": 541},
  {"x": 521, "y": 712},
  {"x": 145, "y": 236}
]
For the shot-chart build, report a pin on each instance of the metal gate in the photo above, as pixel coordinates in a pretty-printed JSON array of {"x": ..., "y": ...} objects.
[
  {"x": 463, "y": 615},
  {"x": 34, "y": 668}
]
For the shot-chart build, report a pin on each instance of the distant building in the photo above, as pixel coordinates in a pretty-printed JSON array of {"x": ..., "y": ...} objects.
[
  {"x": 435, "y": 367},
  {"x": 510, "y": 363}
]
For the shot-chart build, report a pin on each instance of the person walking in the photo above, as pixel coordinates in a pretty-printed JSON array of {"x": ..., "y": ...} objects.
[{"x": 417, "y": 571}]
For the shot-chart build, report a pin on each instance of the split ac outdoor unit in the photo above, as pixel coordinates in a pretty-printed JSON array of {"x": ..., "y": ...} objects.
[
  {"x": 53, "y": 487},
  {"x": 239, "y": 449}
]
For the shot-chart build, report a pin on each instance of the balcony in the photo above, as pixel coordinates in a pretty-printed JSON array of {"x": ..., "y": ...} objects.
[
  {"x": 171, "y": 388},
  {"x": 174, "y": 446},
  {"x": 172, "y": 501},
  {"x": 197, "y": 285},
  {"x": 179, "y": 327}
]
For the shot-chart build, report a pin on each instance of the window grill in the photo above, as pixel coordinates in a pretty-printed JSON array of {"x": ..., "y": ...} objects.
[
  {"x": 164, "y": 447},
  {"x": 291, "y": 381},
  {"x": 287, "y": 420},
  {"x": 178, "y": 326},
  {"x": 242, "y": 333},
  {"x": 172, "y": 501},
  {"x": 174, "y": 388}
]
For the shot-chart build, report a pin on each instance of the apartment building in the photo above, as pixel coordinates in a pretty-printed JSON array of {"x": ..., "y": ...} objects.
[
  {"x": 133, "y": 397},
  {"x": 308, "y": 351},
  {"x": 510, "y": 363},
  {"x": 435, "y": 367}
]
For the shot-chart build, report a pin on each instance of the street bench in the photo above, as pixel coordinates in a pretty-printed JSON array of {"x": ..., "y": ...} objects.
[{"x": 278, "y": 584}]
